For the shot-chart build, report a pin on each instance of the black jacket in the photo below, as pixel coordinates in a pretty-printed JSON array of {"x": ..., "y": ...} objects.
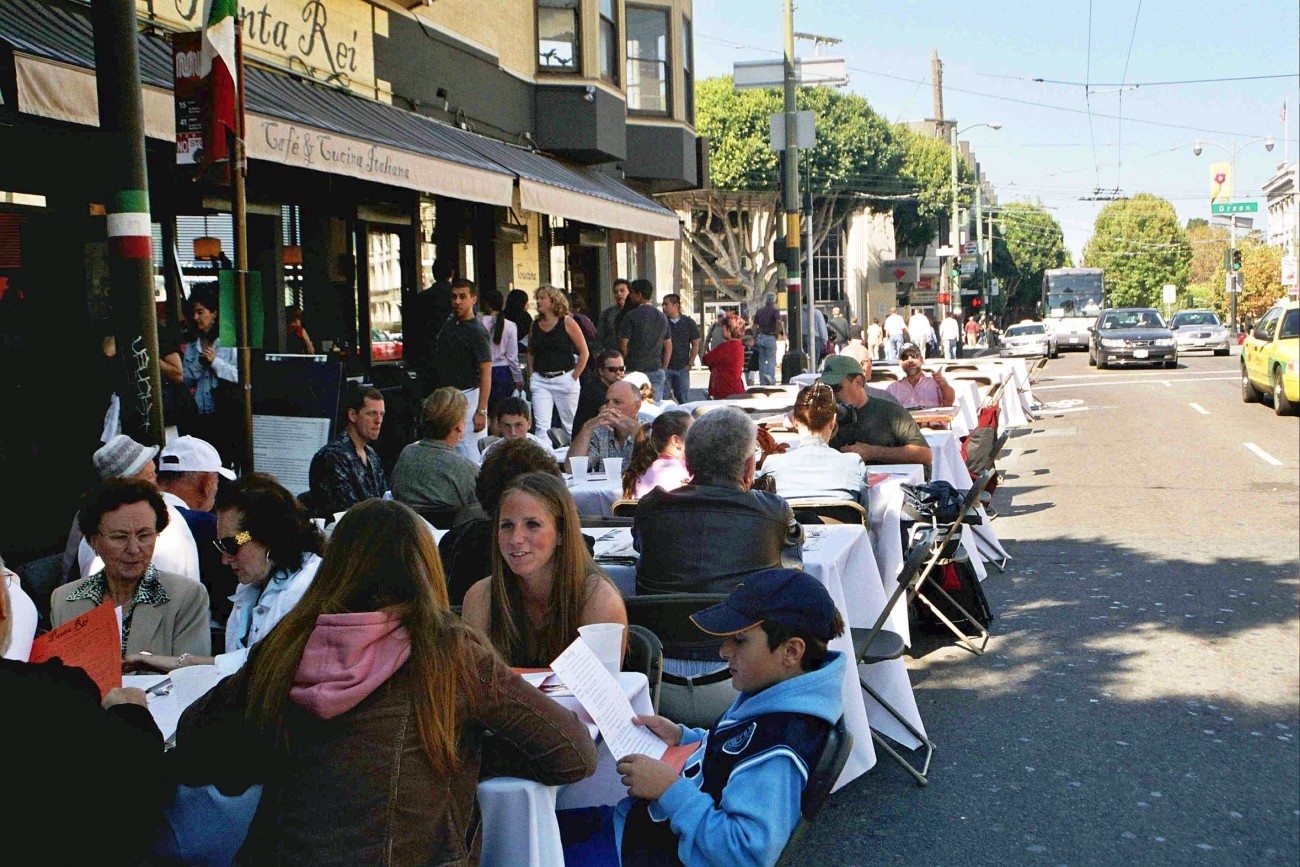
[{"x": 706, "y": 538}]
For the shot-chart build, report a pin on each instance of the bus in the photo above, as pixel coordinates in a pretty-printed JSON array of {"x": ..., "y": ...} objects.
[{"x": 1072, "y": 298}]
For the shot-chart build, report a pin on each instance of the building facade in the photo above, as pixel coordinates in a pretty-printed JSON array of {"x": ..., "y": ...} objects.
[{"x": 1283, "y": 215}]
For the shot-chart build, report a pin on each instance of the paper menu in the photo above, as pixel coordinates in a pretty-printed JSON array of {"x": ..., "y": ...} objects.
[
  {"x": 600, "y": 695},
  {"x": 91, "y": 642}
]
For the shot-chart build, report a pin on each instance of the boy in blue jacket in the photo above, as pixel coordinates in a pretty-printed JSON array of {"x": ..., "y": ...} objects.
[{"x": 737, "y": 799}]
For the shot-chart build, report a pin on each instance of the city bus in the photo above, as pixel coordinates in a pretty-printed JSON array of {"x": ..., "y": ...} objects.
[{"x": 1072, "y": 298}]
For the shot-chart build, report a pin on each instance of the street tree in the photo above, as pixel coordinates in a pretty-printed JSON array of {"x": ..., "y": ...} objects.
[
  {"x": 1141, "y": 245},
  {"x": 1027, "y": 240},
  {"x": 1205, "y": 275},
  {"x": 855, "y": 161},
  {"x": 926, "y": 179}
]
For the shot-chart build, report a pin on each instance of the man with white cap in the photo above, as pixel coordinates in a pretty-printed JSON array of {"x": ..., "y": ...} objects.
[
  {"x": 187, "y": 476},
  {"x": 175, "y": 551},
  {"x": 120, "y": 457}
]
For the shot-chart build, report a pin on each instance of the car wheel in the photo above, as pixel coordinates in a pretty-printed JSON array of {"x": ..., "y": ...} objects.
[
  {"x": 1281, "y": 405},
  {"x": 1170, "y": 365},
  {"x": 1092, "y": 360},
  {"x": 1248, "y": 392},
  {"x": 1101, "y": 362},
  {"x": 1223, "y": 351}
]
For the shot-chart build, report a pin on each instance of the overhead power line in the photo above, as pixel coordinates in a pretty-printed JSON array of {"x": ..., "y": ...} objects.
[{"x": 1136, "y": 84}]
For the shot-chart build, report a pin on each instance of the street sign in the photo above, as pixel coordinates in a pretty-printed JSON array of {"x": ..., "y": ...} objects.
[
  {"x": 804, "y": 129},
  {"x": 1289, "y": 271},
  {"x": 968, "y": 266},
  {"x": 970, "y": 248},
  {"x": 1232, "y": 220},
  {"x": 925, "y": 283},
  {"x": 1171, "y": 293},
  {"x": 1234, "y": 208},
  {"x": 995, "y": 286},
  {"x": 898, "y": 271},
  {"x": 810, "y": 71},
  {"x": 945, "y": 252}
]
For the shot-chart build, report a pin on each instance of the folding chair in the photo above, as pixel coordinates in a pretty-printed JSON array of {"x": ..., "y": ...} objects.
[
  {"x": 645, "y": 653},
  {"x": 691, "y": 700},
  {"x": 560, "y": 437},
  {"x": 830, "y": 512},
  {"x": 821, "y": 779}
]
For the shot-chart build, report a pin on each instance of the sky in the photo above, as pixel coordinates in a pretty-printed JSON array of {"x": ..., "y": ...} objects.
[{"x": 1060, "y": 142}]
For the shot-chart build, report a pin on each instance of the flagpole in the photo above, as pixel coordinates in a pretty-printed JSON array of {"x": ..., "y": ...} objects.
[{"x": 239, "y": 217}]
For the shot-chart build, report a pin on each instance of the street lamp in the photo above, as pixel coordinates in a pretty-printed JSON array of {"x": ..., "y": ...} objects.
[
  {"x": 1232, "y": 151},
  {"x": 954, "y": 232}
]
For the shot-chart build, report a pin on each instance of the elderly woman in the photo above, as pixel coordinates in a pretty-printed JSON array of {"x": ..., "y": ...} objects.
[
  {"x": 726, "y": 361},
  {"x": 544, "y": 584},
  {"x": 159, "y": 612},
  {"x": 267, "y": 539},
  {"x": 554, "y": 343},
  {"x": 205, "y": 363},
  {"x": 431, "y": 476},
  {"x": 369, "y": 712},
  {"x": 814, "y": 470}
]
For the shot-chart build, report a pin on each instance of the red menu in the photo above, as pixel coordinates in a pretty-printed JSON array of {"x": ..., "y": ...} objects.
[{"x": 90, "y": 642}]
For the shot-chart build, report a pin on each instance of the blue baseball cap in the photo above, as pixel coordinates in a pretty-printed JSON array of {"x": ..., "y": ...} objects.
[{"x": 786, "y": 596}]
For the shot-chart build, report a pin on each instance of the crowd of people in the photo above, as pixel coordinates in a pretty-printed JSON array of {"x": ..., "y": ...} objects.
[{"x": 367, "y": 676}]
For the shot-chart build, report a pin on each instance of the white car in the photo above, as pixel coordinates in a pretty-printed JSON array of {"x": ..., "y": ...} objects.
[
  {"x": 1200, "y": 330},
  {"x": 1028, "y": 338}
]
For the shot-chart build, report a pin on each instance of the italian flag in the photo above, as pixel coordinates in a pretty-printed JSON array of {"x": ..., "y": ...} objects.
[
  {"x": 129, "y": 232},
  {"x": 220, "y": 76}
]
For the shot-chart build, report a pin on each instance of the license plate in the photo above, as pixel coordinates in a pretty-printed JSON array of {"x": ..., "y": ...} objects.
[
  {"x": 1140, "y": 353},
  {"x": 1198, "y": 343}
]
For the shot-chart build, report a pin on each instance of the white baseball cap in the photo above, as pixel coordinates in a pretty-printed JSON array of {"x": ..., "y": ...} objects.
[
  {"x": 189, "y": 454},
  {"x": 637, "y": 378}
]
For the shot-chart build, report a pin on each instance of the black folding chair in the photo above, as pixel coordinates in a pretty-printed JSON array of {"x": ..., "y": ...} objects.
[
  {"x": 645, "y": 653},
  {"x": 697, "y": 700},
  {"x": 821, "y": 779}
]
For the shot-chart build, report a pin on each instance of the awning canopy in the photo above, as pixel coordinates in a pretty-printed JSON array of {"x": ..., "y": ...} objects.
[{"x": 298, "y": 123}]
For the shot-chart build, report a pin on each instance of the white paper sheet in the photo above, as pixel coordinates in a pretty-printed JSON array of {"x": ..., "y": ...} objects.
[{"x": 600, "y": 695}]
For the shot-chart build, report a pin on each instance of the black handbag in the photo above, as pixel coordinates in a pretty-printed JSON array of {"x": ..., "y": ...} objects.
[{"x": 935, "y": 501}]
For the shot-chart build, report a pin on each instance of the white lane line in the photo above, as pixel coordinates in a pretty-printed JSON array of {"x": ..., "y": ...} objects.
[
  {"x": 1103, "y": 382},
  {"x": 1167, "y": 383},
  {"x": 1263, "y": 455},
  {"x": 1202, "y": 410},
  {"x": 1050, "y": 411},
  {"x": 1134, "y": 373}
]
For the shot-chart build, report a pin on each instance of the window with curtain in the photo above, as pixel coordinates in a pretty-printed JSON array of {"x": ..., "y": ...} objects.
[
  {"x": 647, "y": 60},
  {"x": 609, "y": 40},
  {"x": 688, "y": 70},
  {"x": 557, "y": 36}
]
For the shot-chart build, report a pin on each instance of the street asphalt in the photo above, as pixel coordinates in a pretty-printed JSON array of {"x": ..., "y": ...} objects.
[{"x": 1140, "y": 700}]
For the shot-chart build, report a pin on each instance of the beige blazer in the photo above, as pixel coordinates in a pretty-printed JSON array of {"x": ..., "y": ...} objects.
[{"x": 178, "y": 626}]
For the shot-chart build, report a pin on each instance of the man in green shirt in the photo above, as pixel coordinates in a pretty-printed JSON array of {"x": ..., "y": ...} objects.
[{"x": 875, "y": 430}]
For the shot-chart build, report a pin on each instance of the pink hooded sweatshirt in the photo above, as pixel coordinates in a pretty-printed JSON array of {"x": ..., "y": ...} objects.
[{"x": 347, "y": 657}]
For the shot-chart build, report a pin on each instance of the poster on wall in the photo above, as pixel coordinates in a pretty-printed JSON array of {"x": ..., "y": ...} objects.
[{"x": 188, "y": 88}]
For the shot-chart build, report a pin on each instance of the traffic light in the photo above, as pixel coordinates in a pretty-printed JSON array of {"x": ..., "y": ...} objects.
[
  {"x": 976, "y": 302},
  {"x": 1236, "y": 260},
  {"x": 956, "y": 270}
]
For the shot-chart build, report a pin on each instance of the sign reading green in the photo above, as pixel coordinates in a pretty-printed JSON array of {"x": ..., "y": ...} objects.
[{"x": 1234, "y": 208}]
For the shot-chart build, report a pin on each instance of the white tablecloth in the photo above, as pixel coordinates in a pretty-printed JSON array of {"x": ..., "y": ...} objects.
[
  {"x": 948, "y": 466},
  {"x": 597, "y": 495},
  {"x": 841, "y": 558},
  {"x": 519, "y": 826},
  {"x": 886, "y": 535}
]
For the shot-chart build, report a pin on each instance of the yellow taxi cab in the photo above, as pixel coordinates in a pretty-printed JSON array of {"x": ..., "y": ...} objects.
[{"x": 1270, "y": 358}]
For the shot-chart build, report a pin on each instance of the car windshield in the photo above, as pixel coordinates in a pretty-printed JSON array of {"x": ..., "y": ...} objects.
[
  {"x": 1132, "y": 319},
  {"x": 1290, "y": 324},
  {"x": 1196, "y": 317},
  {"x": 1023, "y": 330}
]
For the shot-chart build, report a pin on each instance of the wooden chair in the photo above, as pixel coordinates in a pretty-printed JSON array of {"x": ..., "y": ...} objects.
[{"x": 624, "y": 508}]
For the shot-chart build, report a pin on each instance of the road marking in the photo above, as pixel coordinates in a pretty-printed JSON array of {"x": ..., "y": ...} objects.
[
  {"x": 1263, "y": 455},
  {"x": 1167, "y": 383},
  {"x": 1053, "y": 411},
  {"x": 1132, "y": 373},
  {"x": 1106, "y": 382},
  {"x": 1202, "y": 410}
]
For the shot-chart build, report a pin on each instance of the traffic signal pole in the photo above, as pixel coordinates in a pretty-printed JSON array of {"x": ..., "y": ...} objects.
[{"x": 795, "y": 361}]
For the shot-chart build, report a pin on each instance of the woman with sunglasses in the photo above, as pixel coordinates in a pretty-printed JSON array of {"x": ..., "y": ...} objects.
[
  {"x": 268, "y": 540},
  {"x": 814, "y": 470}
]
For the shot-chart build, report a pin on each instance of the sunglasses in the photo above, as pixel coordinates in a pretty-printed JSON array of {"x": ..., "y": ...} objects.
[
  {"x": 910, "y": 355},
  {"x": 230, "y": 545},
  {"x": 615, "y": 369}
]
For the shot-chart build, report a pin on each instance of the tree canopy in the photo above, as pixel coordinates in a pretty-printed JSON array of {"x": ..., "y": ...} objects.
[
  {"x": 1141, "y": 245},
  {"x": 1027, "y": 240},
  {"x": 927, "y": 172}
]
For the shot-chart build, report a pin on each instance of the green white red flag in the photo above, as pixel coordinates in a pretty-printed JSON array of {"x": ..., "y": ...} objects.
[{"x": 220, "y": 77}]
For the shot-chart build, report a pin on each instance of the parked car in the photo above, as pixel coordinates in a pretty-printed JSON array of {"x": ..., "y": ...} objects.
[
  {"x": 1028, "y": 338},
  {"x": 1131, "y": 335},
  {"x": 1200, "y": 329},
  {"x": 384, "y": 346},
  {"x": 1270, "y": 358}
]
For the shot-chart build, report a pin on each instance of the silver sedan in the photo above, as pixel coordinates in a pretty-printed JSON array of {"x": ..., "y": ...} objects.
[
  {"x": 1028, "y": 338},
  {"x": 1200, "y": 330}
]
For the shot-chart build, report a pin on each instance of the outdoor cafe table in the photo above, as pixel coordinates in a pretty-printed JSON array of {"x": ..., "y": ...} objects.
[
  {"x": 841, "y": 558},
  {"x": 947, "y": 465},
  {"x": 595, "y": 496}
]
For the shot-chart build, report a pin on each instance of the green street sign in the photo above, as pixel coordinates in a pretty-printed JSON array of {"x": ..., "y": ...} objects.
[{"x": 1235, "y": 208}]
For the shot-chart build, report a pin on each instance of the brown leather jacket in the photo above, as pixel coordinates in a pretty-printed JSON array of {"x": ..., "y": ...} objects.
[{"x": 358, "y": 789}]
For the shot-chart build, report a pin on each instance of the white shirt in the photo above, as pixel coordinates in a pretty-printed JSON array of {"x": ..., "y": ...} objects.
[
  {"x": 918, "y": 327},
  {"x": 257, "y": 610},
  {"x": 815, "y": 471},
  {"x": 22, "y": 616},
  {"x": 543, "y": 442},
  {"x": 505, "y": 353},
  {"x": 949, "y": 329},
  {"x": 895, "y": 326},
  {"x": 174, "y": 552}
]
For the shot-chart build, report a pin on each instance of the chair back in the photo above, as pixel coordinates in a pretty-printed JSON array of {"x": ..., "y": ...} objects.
[
  {"x": 624, "y": 509},
  {"x": 821, "y": 779},
  {"x": 645, "y": 653},
  {"x": 560, "y": 438},
  {"x": 38, "y": 578},
  {"x": 830, "y": 512},
  {"x": 442, "y": 519},
  {"x": 667, "y": 615}
]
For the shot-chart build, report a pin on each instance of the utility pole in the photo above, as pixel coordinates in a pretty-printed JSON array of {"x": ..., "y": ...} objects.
[
  {"x": 130, "y": 254},
  {"x": 954, "y": 228},
  {"x": 936, "y": 79},
  {"x": 979, "y": 240},
  {"x": 239, "y": 217},
  {"x": 795, "y": 361}
]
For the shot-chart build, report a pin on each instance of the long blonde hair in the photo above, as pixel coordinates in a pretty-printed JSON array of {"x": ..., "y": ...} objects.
[
  {"x": 381, "y": 557},
  {"x": 559, "y": 301},
  {"x": 570, "y": 588}
]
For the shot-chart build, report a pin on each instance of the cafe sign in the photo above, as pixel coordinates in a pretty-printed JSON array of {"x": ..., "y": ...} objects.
[{"x": 333, "y": 39}]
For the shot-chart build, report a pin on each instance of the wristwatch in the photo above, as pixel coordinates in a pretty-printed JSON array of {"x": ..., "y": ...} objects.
[{"x": 482, "y": 412}]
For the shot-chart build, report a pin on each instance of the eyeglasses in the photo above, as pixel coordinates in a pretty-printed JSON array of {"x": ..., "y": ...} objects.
[
  {"x": 230, "y": 545},
  {"x": 615, "y": 369},
  {"x": 121, "y": 540},
  {"x": 909, "y": 355}
]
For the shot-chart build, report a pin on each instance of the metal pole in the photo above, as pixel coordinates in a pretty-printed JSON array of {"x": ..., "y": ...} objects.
[
  {"x": 130, "y": 257},
  {"x": 239, "y": 216},
  {"x": 979, "y": 242},
  {"x": 812, "y": 281},
  {"x": 1232, "y": 275},
  {"x": 954, "y": 230},
  {"x": 795, "y": 360}
]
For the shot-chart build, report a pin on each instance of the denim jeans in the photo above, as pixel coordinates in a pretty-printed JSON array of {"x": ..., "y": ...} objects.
[
  {"x": 952, "y": 348},
  {"x": 767, "y": 359},
  {"x": 891, "y": 348},
  {"x": 657, "y": 380},
  {"x": 679, "y": 382}
]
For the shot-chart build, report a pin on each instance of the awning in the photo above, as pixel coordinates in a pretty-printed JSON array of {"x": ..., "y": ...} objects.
[{"x": 298, "y": 123}]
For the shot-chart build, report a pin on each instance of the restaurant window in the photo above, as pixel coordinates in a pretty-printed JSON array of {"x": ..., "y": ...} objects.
[
  {"x": 828, "y": 268},
  {"x": 557, "y": 35},
  {"x": 609, "y": 41},
  {"x": 384, "y": 257},
  {"x": 647, "y": 60},
  {"x": 688, "y": 71}
]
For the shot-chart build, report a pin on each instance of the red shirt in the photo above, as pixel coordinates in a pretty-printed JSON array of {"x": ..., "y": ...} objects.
[{"x": 725, "y": 362}]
